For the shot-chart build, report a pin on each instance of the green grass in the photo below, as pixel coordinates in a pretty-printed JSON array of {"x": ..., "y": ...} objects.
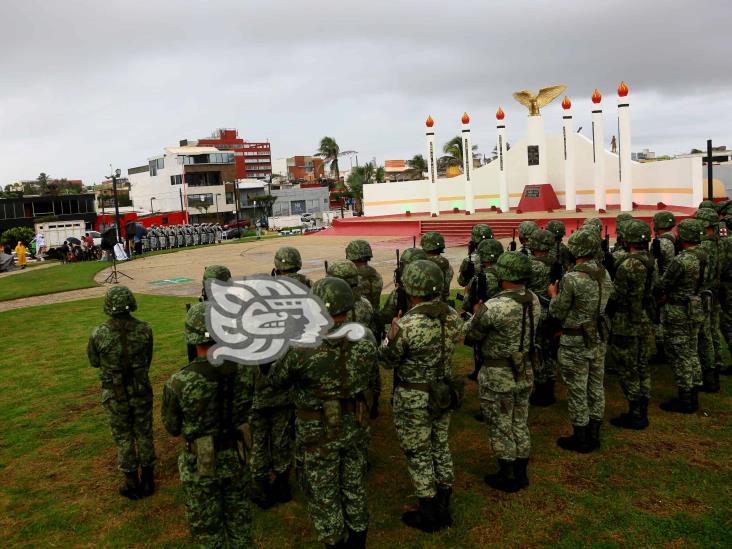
[
  {"x": 50, "y": 280},
  {"x": 667, "y": 486}
]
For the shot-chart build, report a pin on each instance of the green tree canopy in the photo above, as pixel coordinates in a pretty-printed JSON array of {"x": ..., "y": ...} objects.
[{"x": 329, "y": 152}]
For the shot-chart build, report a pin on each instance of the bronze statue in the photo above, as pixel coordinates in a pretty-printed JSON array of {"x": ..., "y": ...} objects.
[{"x": 542, "y": 99}]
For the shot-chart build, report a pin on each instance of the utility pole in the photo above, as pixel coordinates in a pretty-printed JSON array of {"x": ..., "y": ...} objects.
[{"x": 710, "y": 171}]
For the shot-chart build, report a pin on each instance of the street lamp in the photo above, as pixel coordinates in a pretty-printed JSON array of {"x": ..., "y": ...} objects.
[
  {"x": 151, "y": 206},
  {"x": 217, "y": 207},
  {"x": 115, "y": 175}
]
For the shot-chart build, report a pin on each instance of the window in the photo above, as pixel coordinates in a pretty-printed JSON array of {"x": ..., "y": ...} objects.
[
  {"x": 200, "y": 201},
  {"x": 153, "y": 168},
  {"x": 251, "y": 160},
  {"x": 298, "y": 207},
  {"x": 176, "y": 179},
  {"x": 203, "y": 179},
  {"x": 229, "y": 198}
]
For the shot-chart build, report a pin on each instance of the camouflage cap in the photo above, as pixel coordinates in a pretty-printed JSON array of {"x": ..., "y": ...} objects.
[
  {"x": 490, "y": 251},
  {"x": 195, "y": 327},
  {"x": 664, "y": 220},
  {"x": 582, "y": 243},
  {"x": 432, "y": 242},
  {"x": 525, "y": 228},
  {"x": 623, "y": 216},
  {"x": 708, "y": 216},
  {"x": 359, "y": 250},
  {"x": 287, "y": 258},
  {"x": 335, "y": 293},
  {"x": 621, "y": 225},
  {"x": 557, "y": 228},
  {"x": 423, "y": 278},
  {"x": 480, "y": 232},
  {"x": 593, "y": 224},
  {"x": 345, "y": 270},
  {"x": 691, "y": 230},
  {"x": 637, "y": 231},
  {"x": 219, "y": 272},
  {"x": 514, "y": 267},
  {"x": 119, "y": 300},
  {"x": 411, "y": 254},
  {"x": 542, "y": 240},
  {"x": 724, "y": 207},
  {"x": 706, "y": 204}
]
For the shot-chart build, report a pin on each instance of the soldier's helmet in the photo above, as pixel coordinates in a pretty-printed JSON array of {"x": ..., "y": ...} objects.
[
  {"x": 593, "y": 224},
  {"x": 557, "y": 228},
  {"x": 706, "y": 204},
  {"x": 637, "y": 231},
  {"x": 119, "y": 300},
  {"x": 287, "y": 258},
  {"x": 219, "y": 272},
  {"x": 514, "y": 267},
  {"x": 724, "y": 207},
  {"x": 423, "y": 278},
  {"x": 526, "y": 228},
  {"x": 335, "y": 293},
  {"x": 708, "y": 216},
  {"x": 623, "y": 216},
  {"x": 345, "y": 270},
  {"x": 582, "y": 243},
  {"x": 480, "y": 232},
  {"x": 359, "y": 250},
  {"x": 621, "y": 224},
  {"x": 490, "y": 251},
  {"x": 432, "y": 242},
  {"x": 691, "y": 230},
  {"x": 411, "y": 254},
  {"x": 195, "y": 328},
  {"x": 664, "y": 220},
  {"x": 542, "y": 240}
]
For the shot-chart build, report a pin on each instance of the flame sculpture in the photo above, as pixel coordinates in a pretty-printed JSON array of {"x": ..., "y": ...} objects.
[
  {"x": 429, "y": 122},
  {"x": 465, "y": 119},
  {"x": 500, "y": 115},
  {"x": 566, "y": 103},
  {"x": 596, "y": 96},
  {"x": 622, "y": 89}
]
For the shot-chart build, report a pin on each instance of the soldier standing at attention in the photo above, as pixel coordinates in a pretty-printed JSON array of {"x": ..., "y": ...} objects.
[
  {"x": 579, "y": 303},
  {"x": 208, "y": 405},
  {"x": 396, "y": 302},
  {"x": 359, "y": 251},
  {"x": 506, "y": 326},
  {"x": 330, "y": 384},
  {"x": 725, "y": 288},
  {"x": 633, "y": 305},
  {"x": 433, "y": 245},
  {"x": 122, "y": 349},
  {"x": 420, "y": 346},
  {"x": 683, "y": 314},
  {"x": 470, "y": 264},
  {"x": 561, "y": 251},
  {"x": 663, "y": 224},
  {"x": 525, "y": 229},
  {"x": 218, "y": 272}
]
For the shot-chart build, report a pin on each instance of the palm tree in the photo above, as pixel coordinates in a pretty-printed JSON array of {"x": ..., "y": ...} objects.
[
  {"x": 329, "y": 152},
  {"x": 417, "y": 166},
  {"x": 453, "y": 150}
]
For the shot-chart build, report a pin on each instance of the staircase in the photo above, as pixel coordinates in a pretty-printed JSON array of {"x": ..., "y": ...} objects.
[{"x": 457, "y": 232}]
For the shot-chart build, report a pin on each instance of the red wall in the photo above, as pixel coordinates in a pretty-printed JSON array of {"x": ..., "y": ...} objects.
[{"x": 174, "y": 218}]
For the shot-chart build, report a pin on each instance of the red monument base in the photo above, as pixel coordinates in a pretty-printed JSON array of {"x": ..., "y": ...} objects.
[{"x": 538, "y": 198}]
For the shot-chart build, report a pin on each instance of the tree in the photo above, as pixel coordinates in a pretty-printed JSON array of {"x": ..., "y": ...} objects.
[
  {"x": 453, "y": 150},
  {"x": 329, "y": 151},
  {"x": 42, "y": 180},
  {"x": 12, "y": 236},
  {"x": 417, "y": 166},
  {"x": 355, "y": 182}
]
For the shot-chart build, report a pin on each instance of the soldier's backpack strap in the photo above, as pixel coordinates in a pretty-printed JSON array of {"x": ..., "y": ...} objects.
[{"x": 703, "y": 262}]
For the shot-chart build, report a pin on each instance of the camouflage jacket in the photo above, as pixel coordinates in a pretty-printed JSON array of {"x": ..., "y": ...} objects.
[
  {"x": 682, "y": 281},
  {"x": 122, "y": 349},
  {"x": 201, "y": 400},
  {"x": 668, "y": 248},
  {"x": 422, "y": 350},
  {"x": 725, "y": 271},
  {"x": 491, "y": 286},
  {"x": 446, "y": 268},
  {"x": 363, "y": 312},
  {"x": 370, "y": 284},
  {"x": 565, "y": 256},
  {"x": 633, "y": 286},
  {"x": 468, "y": 265},
  {"x": 300, "y": 278},
  {"x": 711, "y": 246},
  {"x": 540, "y": 269}
]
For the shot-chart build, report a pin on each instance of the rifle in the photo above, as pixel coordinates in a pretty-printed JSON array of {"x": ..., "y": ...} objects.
[
  {"x": 470, "y": 270},
  {"x": 512, "y": 246},
  {"x": 657, "y": 255},
  {"x": 606, "y": 241}
]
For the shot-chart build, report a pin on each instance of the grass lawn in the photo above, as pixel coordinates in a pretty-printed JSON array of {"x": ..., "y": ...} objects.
[
  {"x": 668, "y": 486},
  {"x": 51, "y": 280}
]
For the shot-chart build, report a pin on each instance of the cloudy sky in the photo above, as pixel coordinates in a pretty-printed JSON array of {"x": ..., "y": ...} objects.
[{"x": 86, "y": 83}]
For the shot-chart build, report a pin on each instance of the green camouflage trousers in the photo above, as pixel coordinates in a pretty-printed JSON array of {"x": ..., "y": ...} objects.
[
  {"x": 725, "y": 320},
  {"x": 272, "y": 440},
  {"x": 705, "y": 344},
  {"x": 218, "y": 511},
  {"x": 680, "y": 341},
  {"x": 132, "y": 433},
  {"x": 334, "y": 479},
  {"x": 716, "y": 320},
  {"x": 507, "y": 416},
  {"x": 583, "y": 371},
  {"x": 423, "y": 438},
  {"x": 631, "y": 355}
]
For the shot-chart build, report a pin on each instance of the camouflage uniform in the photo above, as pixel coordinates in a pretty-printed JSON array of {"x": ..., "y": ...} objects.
[
  {"x": 663, "y": 223},
  {"x": 391, "y": 308},
  {"x": 122, "y": 349},
  {"x": 503, "y": 326},
  {"x": 725, "y": 288},
  {"x": 434, "y": 244},
  {"x": 212, "y": 272},
  {"x": 580, "y": 306},
  {"x": 371, "y": 284},
  {"x": 560, "y": 250},
  {"x": 208, "y": 405},
  {"x": 468, "y": 266},
  {"x": 421, "y": 352},
  {"x": 330, "y": 385},
  {"x": 525, "y": 230}
]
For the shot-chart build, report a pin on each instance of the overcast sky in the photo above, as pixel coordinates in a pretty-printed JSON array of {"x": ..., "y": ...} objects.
[{"x": 86, "y": 83}]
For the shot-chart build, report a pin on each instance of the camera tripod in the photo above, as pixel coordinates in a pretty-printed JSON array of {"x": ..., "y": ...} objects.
[{"x": 113, "y": 277}]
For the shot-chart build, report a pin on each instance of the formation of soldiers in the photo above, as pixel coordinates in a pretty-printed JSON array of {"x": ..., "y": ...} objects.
[
  {"x": 178, "y": 236},
  {"x": 527, "y": 314}
]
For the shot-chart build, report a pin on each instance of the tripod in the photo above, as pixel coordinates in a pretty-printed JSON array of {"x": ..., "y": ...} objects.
[{"x": 113, "y": 277}]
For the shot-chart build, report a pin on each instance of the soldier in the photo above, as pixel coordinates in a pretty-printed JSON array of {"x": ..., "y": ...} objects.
[
  {"x": 331, "y": 384},
  {"x": 681, "y": 285},
  {"x": 359, "y": 251},
  {"x": 288, "y": 262},
  {"x": 396, "y": 303},
  {"x": 218, "y": 272},
  {"x": 122, "y": 349},
  {"x": 420, "y": 346},
  {"x": 506, "y": 326},
  {"x": 542, "y": 267},
  {"x": 208, "y": 405},
  {"x": 632, "y": 324},
  {"x": 525, "y": 229},
  {"x": 620, "y": 250},
  {"x": 561, "y": 251},
  {"x": 725, "y": 288},
  {"x": 580, "y": 305},
  {"x": 434, "y": 244},
  {"x": 663, "y": 224},
  {"x": 478, "y": 234}
]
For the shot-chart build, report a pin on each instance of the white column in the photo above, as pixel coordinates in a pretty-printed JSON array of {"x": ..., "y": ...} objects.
[
  {"x": 598, "y": 153},
  {"x": 624, "y": 150},
  {"x": 537, "y": 137},
  {"x": 432, "y": 168},
  {"x": 501, "y": 149},
  {"x": 468, "y": 165},
  {"x": 570, "y": 187}
]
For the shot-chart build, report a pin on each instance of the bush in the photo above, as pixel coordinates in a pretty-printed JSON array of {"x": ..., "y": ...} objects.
[{"x": 11, "y": 236}]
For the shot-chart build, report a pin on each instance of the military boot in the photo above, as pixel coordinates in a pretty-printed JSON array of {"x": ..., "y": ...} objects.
[
  {"x": 593, "y": 433},
  {"x": 281, "y": 487},
  {"x": 520, "y": 473},
  {"x": 711, "y": 381},
  {"x": 356, "y": 540},
  {"x": 147, "y": 481},
  {"x": 503, "y": 480},
  {"x": 577, "y": 441},
  {"x": 131, "y": 487},
  {"x": 633, "y": 418},
  {"x": 644, "y": 410},
  {"x": 683, "y": 404},
  {"x": 262, "y": 493},
  {"x": 442, "y": 503},
  {"x": 424, "y": 518}
]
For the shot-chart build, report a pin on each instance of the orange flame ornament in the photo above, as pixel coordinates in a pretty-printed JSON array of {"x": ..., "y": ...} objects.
[
  {"x": 622, "y": 89},
  {"x": 500, "y": 115},
  {"x": 429, "y": 122},
  {"x": 596, "y": 96},
  {"x": 566, "y": 103},
  {"x": 465, "y": 119}
]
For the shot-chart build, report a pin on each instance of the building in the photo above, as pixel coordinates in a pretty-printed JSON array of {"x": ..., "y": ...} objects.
[
  {"x": 296, "y": 200},
  {"x": 53, "y": 186},
  {"x": 720, "y": 155},
  {"x": 252, "y": 160},
  {"x": 643, "y": 156},
  {"x": 105, "y": 195},
  {"x": 27, "y": 210}
]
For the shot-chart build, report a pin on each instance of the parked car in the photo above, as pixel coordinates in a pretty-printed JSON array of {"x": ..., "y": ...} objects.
[
  {"x": 234, "y": 232},
  {"x": 96, "y": 236}
]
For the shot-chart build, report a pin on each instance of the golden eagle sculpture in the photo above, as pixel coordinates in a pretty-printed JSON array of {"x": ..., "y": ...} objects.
[{"x": 540, "y": 100}]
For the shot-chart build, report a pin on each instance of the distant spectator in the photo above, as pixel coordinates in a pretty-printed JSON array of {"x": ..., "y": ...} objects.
[
  {"x": 20, "y": 251},
  {"x": 40, "y": 246},
  {"x": 65, "y": 252}
]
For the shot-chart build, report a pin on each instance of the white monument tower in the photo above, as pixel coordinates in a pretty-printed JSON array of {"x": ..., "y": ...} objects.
[
  {"x": 570, "y": 187},
  {"x": 624, "y": 149},
  {"x": 598, "y": 152},
  {"x": 501, "y": 151},
  {"x": 432, "y": 167},
  {"x": 468, "y": 165}
]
